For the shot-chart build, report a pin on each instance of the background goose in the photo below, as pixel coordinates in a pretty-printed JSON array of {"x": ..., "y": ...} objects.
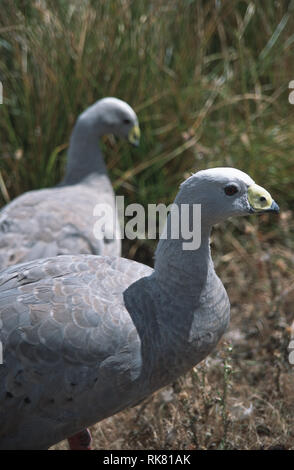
[
  {"x": 60, "y": 220},
  {"x": 85, "y": 336}
]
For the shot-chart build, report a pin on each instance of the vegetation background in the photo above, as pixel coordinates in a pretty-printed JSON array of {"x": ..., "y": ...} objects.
[{"x": 210, "y": 83}]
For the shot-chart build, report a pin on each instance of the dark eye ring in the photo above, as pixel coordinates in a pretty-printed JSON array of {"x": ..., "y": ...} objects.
[
  {"x": 126, "y": 121},
  {"x": 231, "y": 189}
]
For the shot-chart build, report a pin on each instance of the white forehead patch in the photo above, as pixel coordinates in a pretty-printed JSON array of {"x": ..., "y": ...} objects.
[
  {"x": 221, "y": 174},
  {"x": 109, "y": 106},
  {"x": 117, "y": 103}
]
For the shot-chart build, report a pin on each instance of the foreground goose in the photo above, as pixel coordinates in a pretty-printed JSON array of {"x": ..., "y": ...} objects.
[
  {"x": 60, "y": 220},
  {"x": 86, "y": 336}
]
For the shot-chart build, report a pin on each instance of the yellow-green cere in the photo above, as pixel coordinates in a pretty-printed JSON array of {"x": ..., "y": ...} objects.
[
  {"x": 259, "y": 198},
  {"x": 134, "y": 135}
]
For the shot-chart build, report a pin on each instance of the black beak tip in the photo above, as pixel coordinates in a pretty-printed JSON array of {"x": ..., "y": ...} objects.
[
  {"x": 135, "y": 144},
  {"x": 274, "y": 207}
]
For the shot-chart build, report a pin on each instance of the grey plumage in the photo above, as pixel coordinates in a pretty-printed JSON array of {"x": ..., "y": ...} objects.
[
  {"x": 87, "y": 336},
  {"x": 60, "y": 220}
]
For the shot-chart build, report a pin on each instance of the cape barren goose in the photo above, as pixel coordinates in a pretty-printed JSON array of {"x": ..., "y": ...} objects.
[
  {"x": 56, "y": 221},
  {"x": 86, "y": 336}
]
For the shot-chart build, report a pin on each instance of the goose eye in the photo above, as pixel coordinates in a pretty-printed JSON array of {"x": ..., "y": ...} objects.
[
  {"x": 231, "y": 189},
  {"x": 126, "y": 121}
]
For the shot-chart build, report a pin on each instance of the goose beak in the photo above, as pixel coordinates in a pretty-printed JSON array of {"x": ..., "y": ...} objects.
[
  {"x": 260, "y": 200},
  {"x": 134, "y": 136},
  {"x": 274, "y": 207}
]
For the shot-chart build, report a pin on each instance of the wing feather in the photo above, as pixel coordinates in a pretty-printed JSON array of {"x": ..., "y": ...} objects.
[{"x": 56, "y": 221}]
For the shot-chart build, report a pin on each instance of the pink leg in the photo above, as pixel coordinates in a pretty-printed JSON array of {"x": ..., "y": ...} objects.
[{"x": 80, "y": 441}]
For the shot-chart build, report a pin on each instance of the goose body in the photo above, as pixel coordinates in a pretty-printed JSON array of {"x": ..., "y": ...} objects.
[{"x": 87, "y": 336}]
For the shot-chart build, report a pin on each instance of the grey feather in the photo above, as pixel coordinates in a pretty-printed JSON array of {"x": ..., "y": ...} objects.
[{"x": 86, "y": 336}]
